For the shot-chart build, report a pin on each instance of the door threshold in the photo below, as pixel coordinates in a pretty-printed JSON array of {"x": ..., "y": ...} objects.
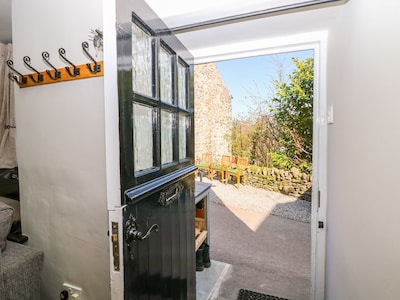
[{"x": 209, "y": 280}]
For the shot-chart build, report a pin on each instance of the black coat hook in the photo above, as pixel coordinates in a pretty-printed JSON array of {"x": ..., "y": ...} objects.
[
  {"x": 77, "y": 71},
  {"x": 27, "y": 61},
  {"x": 15, "y": 78},
  {"x": 24, "y": 80},
  {"x": 96, "y": 67},
  {"x": 57, "y": 74}
]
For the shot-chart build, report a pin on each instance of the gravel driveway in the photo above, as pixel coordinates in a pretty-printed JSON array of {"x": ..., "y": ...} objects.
[{"x": 256, "y": 199}]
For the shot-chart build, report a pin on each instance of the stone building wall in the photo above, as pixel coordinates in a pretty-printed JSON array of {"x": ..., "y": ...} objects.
[{"x": 213, "y": 112}]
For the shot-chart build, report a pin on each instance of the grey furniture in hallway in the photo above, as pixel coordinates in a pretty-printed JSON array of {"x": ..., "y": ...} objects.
[{"x": 20, "y": 265}]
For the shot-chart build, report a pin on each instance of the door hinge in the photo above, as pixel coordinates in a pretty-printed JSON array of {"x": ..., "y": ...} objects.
[{"x": 320, "y": 224}]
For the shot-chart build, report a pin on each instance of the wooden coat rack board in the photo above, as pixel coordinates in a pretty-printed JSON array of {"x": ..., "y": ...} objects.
[
  {"x": 71, "y": 72},
  {"x": 84, "y": 72}
]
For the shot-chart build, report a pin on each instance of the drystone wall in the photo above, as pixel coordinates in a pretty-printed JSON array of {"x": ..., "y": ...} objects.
[
  {"x": 213, "y": 112},
  {"x": 291, "y": 182}
]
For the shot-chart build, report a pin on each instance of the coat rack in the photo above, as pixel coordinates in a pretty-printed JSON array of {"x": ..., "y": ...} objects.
[{"x": 68, "y": 73}]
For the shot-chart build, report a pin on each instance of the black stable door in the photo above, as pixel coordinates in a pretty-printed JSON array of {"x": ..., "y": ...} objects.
[{"x": 156, "y": 153}]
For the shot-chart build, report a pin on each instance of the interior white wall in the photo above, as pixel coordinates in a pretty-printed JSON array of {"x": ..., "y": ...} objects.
[
  {"x": 63, "y": 181},
  {"x": 61, "y": 149},
  {"x": 363, "y": 207}
]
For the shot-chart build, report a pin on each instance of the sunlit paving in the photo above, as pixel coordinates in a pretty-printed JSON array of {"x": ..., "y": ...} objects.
[
  {"x": 259, "y": 240},
  {"x": 251, "y": 219}
]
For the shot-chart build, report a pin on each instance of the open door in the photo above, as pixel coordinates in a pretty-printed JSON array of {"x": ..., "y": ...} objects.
[{"x": 156, "y": 224}]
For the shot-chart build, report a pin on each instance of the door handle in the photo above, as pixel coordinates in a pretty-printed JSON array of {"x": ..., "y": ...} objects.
[
  {"x": 171, "y": 194},
  {"x": 132, "y": 232}
]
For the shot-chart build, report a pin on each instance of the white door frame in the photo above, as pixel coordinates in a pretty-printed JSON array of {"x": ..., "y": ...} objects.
[{"x": 316, "y": 41}]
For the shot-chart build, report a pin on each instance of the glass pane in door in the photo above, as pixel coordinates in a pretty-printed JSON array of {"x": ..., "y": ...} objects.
[
  {"x": 182, "y": 80},
  {"x": 143, "y": 137},
  {"x": 167, "y": 131},
  {"x": 184, "y": 125},
  {"x": 142, "y": 79},
  {"x": 165, "y": 65}
]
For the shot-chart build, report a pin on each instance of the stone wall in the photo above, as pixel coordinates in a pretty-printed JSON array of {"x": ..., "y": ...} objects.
[
  {"x": 213, "y": 112},
  {"x": 293, "y": 182}
]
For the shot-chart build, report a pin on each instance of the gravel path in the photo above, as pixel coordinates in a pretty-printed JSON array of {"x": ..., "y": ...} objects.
[{"x": 255, "y": 199}]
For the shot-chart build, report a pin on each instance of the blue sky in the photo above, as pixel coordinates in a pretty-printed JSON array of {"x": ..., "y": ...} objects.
[{"x": 254, "y": 76}]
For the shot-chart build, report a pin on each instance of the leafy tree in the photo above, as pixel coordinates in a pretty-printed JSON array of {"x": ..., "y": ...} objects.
[
  {"x": 293, "y": 112},
  {"x": 263, "y": 139},
  {"x": 278, "y": 131},
  {"x": 241, "y": 130}
]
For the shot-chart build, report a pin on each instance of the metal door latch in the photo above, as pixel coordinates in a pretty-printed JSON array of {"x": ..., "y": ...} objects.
[
  {"x": 115, "y": 245},
  {"x": 132, "y": 233}
]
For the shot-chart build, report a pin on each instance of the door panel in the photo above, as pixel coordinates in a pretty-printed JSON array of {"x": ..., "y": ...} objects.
[{"x": 162, "y": 265}]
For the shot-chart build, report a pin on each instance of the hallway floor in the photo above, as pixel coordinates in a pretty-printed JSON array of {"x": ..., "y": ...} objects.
[{"x": 256, "y": 250}]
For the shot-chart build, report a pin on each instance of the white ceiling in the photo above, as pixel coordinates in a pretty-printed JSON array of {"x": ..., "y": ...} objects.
[
  {"x": 177, "y": 13},
  {"x": 182, "y": 12},
  {"x": 263, "y": 28},
  {"x": 165, "y": 9},
  {"x": 282, "y": 18}
]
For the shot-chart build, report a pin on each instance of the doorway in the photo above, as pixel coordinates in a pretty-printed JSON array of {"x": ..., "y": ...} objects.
[
  {"x": 258, "y": 231},
  {"x": 317, "y": 43}
]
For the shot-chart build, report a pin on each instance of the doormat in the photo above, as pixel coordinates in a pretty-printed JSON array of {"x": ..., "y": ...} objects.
[{"x": 250, "y": 295}]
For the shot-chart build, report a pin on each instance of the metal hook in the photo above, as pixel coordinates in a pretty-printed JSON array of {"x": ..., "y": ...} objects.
[
  {"x": 27, "y": 61},
  {"x": 24, "y": 80},
  {"x": 46, "y": 57},
  {"x": 14, "y": 78},
  {"x": 96, "y": 67},
  {"x": 77, "y": 71}
]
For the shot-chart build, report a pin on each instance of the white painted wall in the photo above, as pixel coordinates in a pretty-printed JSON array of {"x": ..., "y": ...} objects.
[
  {"x": 61, "y": 149},
  {"x": 363, "y": 226},
  {"x": 62, "y": 153}
]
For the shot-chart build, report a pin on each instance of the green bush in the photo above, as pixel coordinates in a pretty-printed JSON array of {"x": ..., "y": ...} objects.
[
  {"x": 305, "y": 168},
  {"x": 281, "y": 161}
]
